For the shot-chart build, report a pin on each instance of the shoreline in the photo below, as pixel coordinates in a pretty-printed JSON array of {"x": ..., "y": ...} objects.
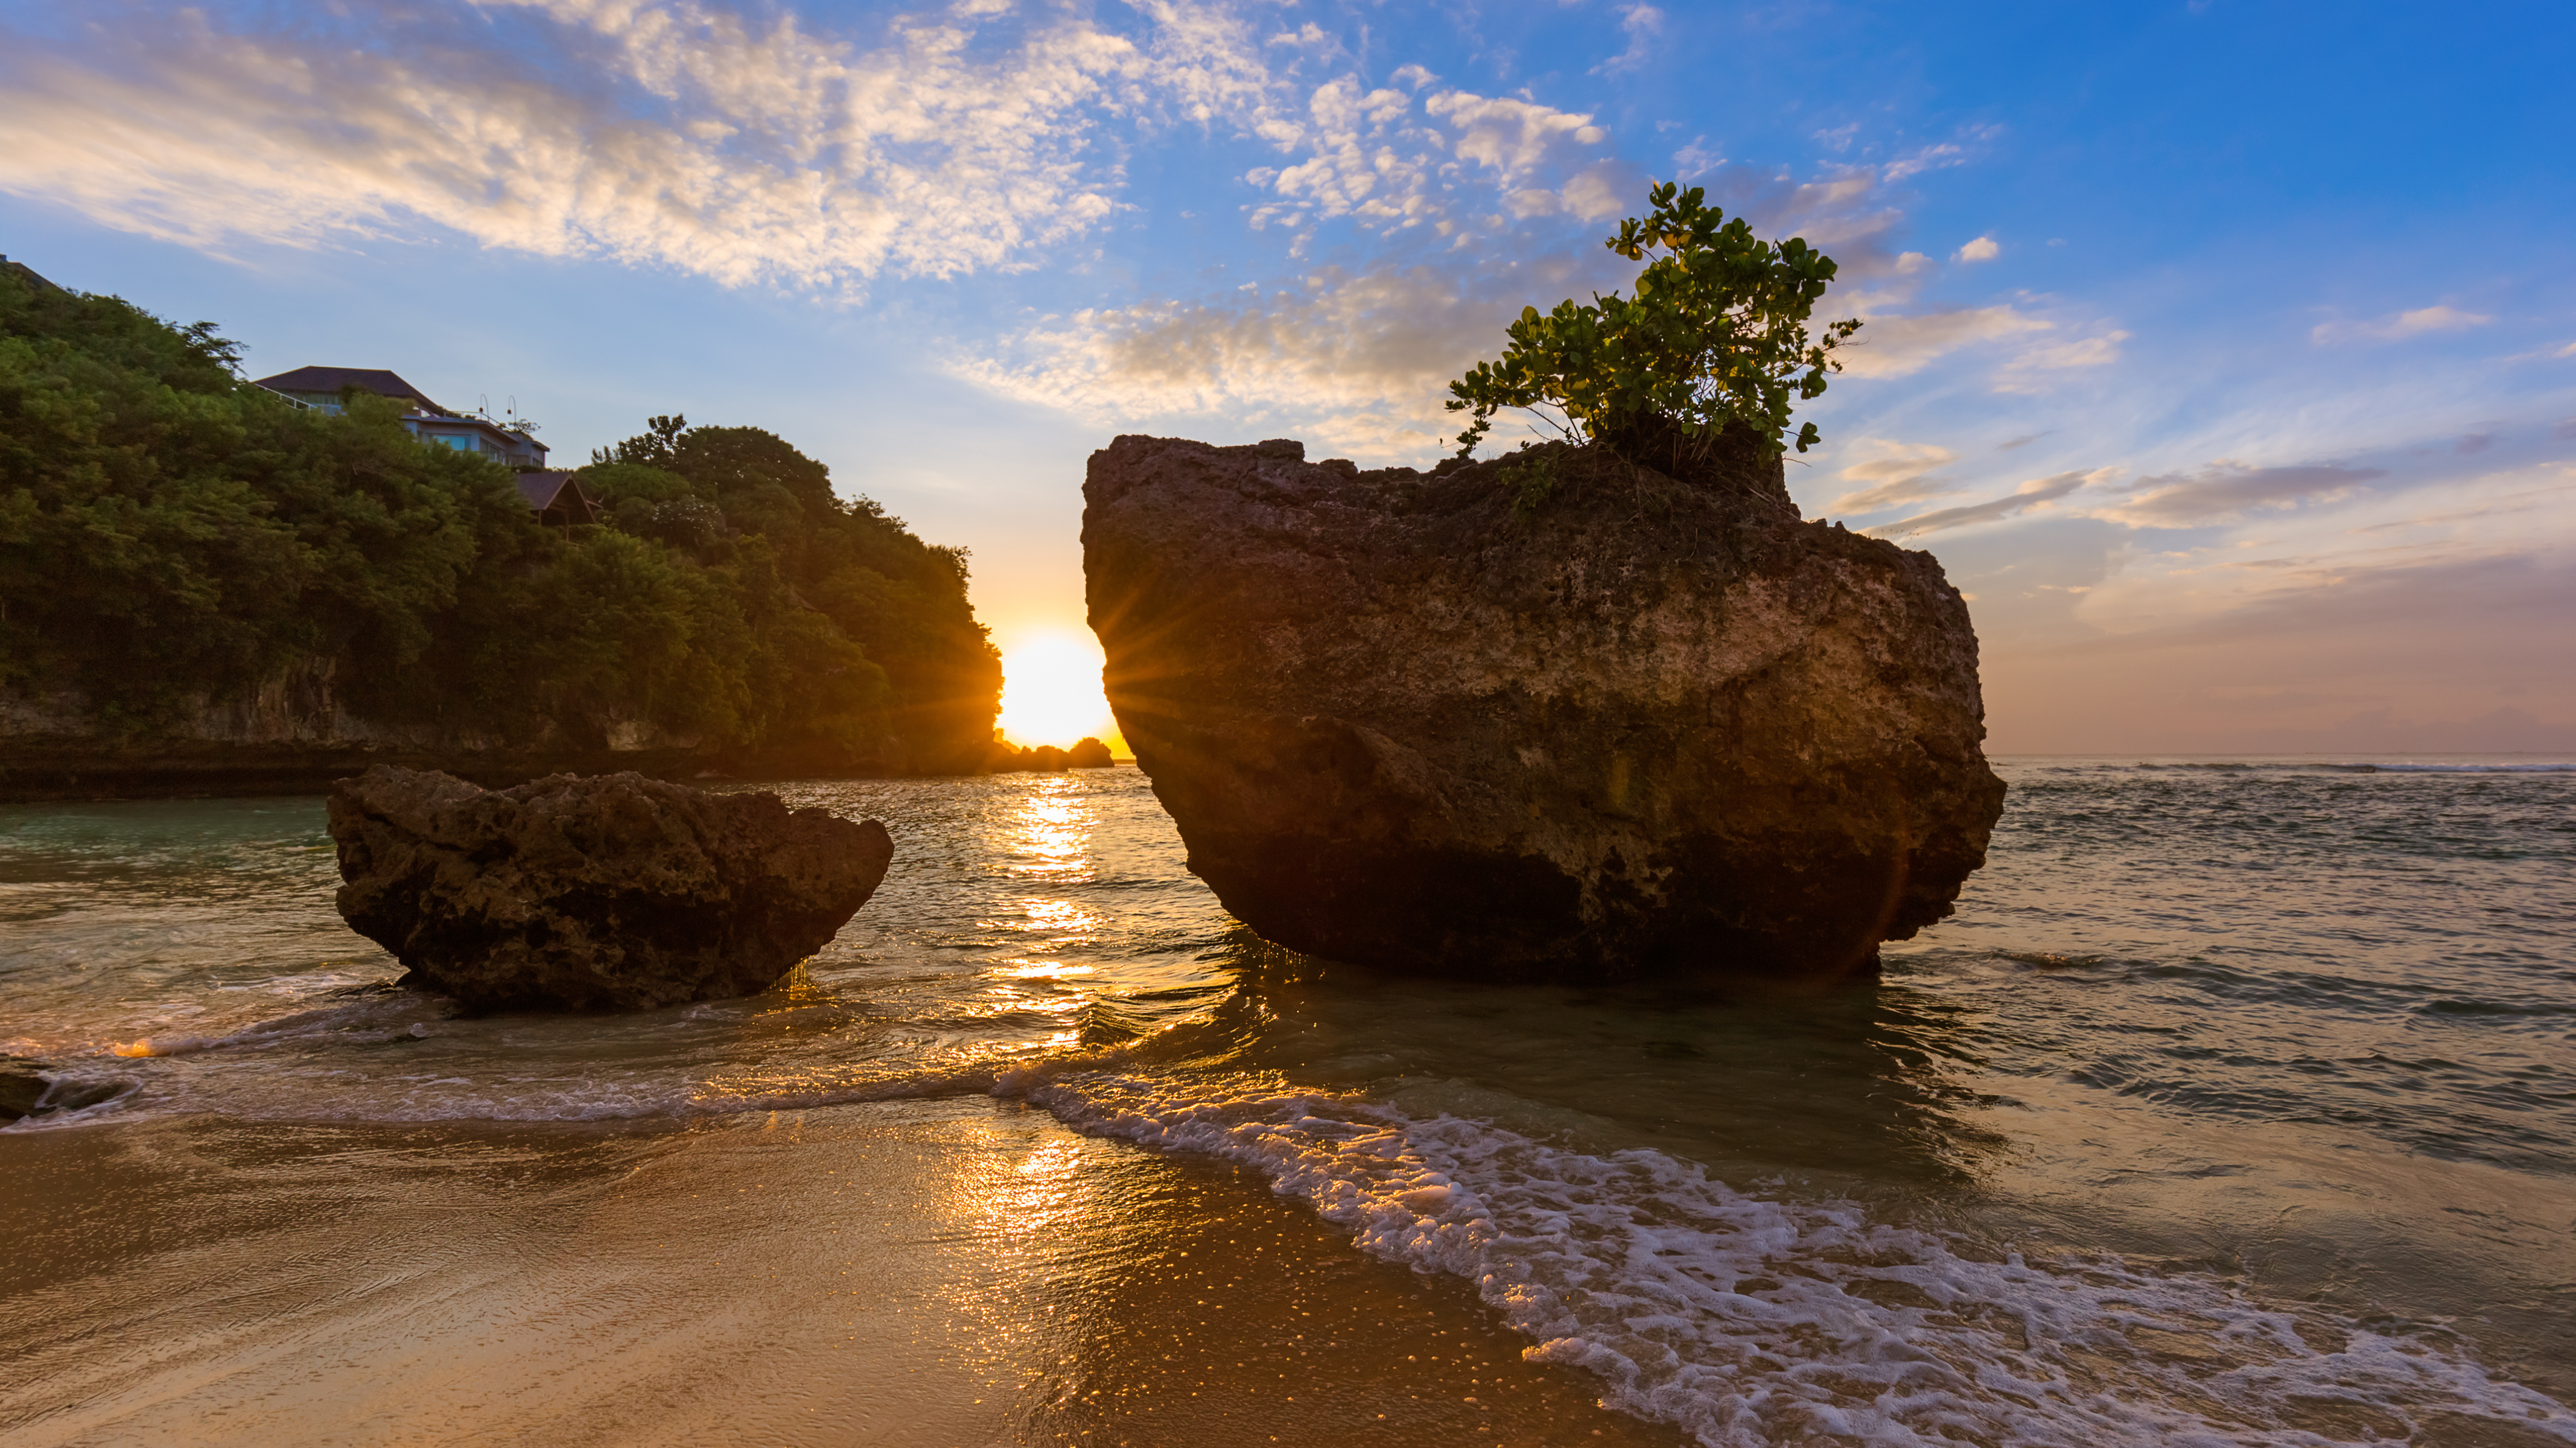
[
  {"x": 255, "y": 779},
  {"x": 956, "y": 1271}
]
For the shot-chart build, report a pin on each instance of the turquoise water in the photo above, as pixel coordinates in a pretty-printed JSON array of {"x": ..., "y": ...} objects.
[{"x": 2237, "y": 1105}]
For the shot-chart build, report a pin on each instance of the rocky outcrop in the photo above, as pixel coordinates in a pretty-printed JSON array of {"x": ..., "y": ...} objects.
[
  {"x": 293, "y": 733},
  {"x": 1086, "y": 753},
  {"x": 1555, "y": 716},
  {"x": 601, "y": 892}
]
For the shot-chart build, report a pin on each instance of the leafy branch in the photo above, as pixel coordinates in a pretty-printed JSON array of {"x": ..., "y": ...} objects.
[{"x": 1716, "y": 336}]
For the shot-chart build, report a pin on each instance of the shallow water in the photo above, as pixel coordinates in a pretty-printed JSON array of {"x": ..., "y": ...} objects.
[{"x": 2237, "y": 1105}]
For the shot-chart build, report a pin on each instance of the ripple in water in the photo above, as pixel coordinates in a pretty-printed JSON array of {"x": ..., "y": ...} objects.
[{"x": 2238, "y": 1104}]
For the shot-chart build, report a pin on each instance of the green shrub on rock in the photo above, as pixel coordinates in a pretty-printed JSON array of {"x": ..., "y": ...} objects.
[{"x": 1715, "y": 338}]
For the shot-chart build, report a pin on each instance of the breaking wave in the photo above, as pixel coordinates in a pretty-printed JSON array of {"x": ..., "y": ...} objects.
[{"x": 1747, "y": 1320}]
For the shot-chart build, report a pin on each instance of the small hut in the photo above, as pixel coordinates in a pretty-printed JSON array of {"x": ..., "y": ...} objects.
[{"x": 557, "y": 498}]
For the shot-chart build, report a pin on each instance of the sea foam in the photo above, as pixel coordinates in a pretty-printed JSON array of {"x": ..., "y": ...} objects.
[{"x": 1748, "y": 1320}]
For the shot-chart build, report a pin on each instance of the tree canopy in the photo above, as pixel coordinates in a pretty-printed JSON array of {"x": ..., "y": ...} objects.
[
  {"x": 172, "y": 537},
  {"x": 1715, "y": 337}
]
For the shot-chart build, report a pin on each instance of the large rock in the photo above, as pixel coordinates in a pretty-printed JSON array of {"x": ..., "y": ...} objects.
[
  {"x": 1555, "y": 716},
  {"x": 598, "y": 892}
]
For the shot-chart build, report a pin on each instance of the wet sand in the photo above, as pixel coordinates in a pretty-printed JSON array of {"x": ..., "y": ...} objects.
[{"x": 961, "y": 1272}]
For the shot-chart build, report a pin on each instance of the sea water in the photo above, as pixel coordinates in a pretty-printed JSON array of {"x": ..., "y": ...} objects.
[{"x": 2236, "y": 1105}]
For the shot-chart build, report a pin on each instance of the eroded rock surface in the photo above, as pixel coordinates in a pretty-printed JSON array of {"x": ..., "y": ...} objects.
[
  {"x": 1556, "y": 716},
  {"x": 594, "y": 892}
]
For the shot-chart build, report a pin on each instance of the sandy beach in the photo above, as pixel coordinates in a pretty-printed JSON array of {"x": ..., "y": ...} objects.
[{"x": 961, "y": 1272}]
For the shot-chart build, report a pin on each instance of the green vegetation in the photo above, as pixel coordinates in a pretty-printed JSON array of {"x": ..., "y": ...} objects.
[
  {"x": 1531, "y": 478},
  {"x": 1716, "y": 337},
  {"x": 171, "y": 536}
]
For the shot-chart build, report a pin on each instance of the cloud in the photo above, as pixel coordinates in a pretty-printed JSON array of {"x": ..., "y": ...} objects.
[
  {"x": 2522, "y": 589},
  {"x": 2228, "y": 490},
  {"x": 1930, "y": 158},
  {"x": 2401, "y": 324},
  {"x": 738, "y": 146},
  {"x": 1370, "y": 157},
  {"x": 1359, "y": 356},
  {"x": 1643, "y": 23},
  {"x": 1699, "y": 158},
  {"x": 2022, "y": 373},
  {"x": 1981, "y": 249},
  {"x": 1895, "y": 473},
  {"x": 1895, "y": 346},
  {"x": 2037, "y": 493},
  {"x": 1364, "y": 159}
]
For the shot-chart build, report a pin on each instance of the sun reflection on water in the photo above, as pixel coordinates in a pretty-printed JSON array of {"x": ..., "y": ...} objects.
[
  {"x": 1053, "y": 829},
  {"x": 1046, "y": 970}
]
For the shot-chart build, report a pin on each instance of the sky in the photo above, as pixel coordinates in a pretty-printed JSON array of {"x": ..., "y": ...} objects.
[{"x": 2223, "y": 352}]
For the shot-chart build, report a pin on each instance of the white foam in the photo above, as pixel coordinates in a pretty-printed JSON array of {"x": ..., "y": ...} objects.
[
  {"x": 2465, "y": 768},
  {"x": 392, "y": 1014},
  {"x": 1748, "y": 1320}
]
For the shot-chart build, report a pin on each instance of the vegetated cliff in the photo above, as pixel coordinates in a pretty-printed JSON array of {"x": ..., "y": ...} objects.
[
  {"x": 1552, "y": 716},
  {"x": 204, "y": 586}
]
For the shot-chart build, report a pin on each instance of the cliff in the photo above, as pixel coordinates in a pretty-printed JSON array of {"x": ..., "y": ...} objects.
[
  {"x": 295, "y": 731},
  {"x": 1554, "y": 716}
]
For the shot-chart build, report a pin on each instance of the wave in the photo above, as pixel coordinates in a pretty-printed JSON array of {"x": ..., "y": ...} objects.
[
  {"x": 1746, "y": 1320},
  {"x": 2453, "y": 768},
  {"x": 1741, "y": 1318},
  {"x": 2218, "y": 766},
  {"x": 384, "y": 1011}
]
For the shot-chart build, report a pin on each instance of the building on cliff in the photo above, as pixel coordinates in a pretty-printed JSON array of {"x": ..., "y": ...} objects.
[
  {"x": 325, "y": 387},
  {"x": 557, "y": 497},
  {"x": 26, "y": 273}
]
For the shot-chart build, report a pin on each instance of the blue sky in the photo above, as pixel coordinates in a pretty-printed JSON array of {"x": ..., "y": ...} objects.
[{"x": 2224, "y": 352}]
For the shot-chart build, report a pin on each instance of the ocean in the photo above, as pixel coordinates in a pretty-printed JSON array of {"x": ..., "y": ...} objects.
[{"x": 2236, "y": 1105}]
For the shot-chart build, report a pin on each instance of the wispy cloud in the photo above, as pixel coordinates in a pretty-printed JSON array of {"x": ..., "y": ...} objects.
[
  {"x": 1699, "y": 158},
  {"x": 2037, "y": 493},
  {"x": 1643, "y": 24},
  {"x": 2228, "y": 490},
  {"x": 1894, "y": 346},
  {"x": 1929, "y": 158},
  {"x": 1895, "y": 473},
  {"x": 2028, "y": 372},
  {"x": 1359, "y": 359},
  {"x": 1359, "y": 356},
  {"x": 742, "y": 146},
  {"x": 2401, "y": 324}
]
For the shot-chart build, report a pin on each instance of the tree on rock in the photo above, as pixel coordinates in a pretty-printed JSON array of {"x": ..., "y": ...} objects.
[{"x": 1715, "y": 339}]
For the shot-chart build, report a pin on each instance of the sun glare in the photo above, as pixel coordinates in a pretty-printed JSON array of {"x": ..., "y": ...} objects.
[{"x": 1051, "y": 692}]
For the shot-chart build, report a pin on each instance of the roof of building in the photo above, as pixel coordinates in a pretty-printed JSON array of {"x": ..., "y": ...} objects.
[
  {"x": 331, "y": 379},
  {"x": 24, "y": 270},
  {"x": 541, "y": 489}
]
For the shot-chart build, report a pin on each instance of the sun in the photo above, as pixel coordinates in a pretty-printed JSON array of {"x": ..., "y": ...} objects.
[{"x": 1051, "y": 692}]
